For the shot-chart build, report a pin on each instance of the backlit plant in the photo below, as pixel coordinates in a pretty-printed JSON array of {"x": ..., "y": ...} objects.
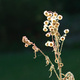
[{"x": 51, "y": 26}]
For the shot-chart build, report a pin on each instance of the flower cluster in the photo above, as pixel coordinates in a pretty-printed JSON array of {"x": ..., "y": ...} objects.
[{"x": 51, "y": 26}]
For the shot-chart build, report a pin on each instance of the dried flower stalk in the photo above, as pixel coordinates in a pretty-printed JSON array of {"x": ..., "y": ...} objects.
[{"x": 51, "y": 26}]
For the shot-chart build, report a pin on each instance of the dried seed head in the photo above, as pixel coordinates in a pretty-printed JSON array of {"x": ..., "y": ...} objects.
[
  {"x": 53, "y": 20},
  {"x": 51, "y": 29},
  {"x": 47, "y": 44},
  {"x": 46, "y": 22},
  {"x": 57, "y": 34},
  {"x": 50, "y": 26},
  {"x": 51, "y": 44},
  {"x": 52, "y": 33},
  {"x": 53, "y": 23},
  {"x": 55, "y": 30},
  {"x": 57, "y": 24},
  {"x": 62, "y": 38},
  {"x": 55, "y": 14},
  {"x": 60, "y": 17},
  {"x": 66, "y": 31},
  {"x": 26, "y": 45},
  {"x": 45, "y": 29},
  {"x": 46, "y": 13},
  {"x": 50, "y": 14},
  {"x": 45, "y": 26},
  {"x": 49, "y": 18},
  {"x": 47, "y": 34}
]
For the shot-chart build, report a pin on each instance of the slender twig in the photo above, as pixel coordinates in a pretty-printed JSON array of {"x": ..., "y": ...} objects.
[{"x": 61, "y": 46}]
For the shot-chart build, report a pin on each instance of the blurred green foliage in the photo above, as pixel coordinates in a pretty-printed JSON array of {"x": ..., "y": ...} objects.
[{"x": 23, "y": 67}]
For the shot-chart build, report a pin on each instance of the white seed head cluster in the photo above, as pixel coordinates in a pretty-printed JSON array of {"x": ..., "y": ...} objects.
[
  {"x": 52, "y": 20},
  {"x": 51, "y": 25}
]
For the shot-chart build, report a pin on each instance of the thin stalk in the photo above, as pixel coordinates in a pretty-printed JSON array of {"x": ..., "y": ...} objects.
[
  {"x": 61, "y": 46},
  {"x": 57, "y": 44},
  {"x": 50, "y": 63}
]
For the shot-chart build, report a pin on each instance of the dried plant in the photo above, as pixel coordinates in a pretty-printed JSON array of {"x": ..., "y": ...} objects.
[{"x": 51, "y": 26}]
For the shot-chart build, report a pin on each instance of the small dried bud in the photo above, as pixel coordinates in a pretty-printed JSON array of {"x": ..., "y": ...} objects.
[
  {"x": 47, "y": 34},
  {"x": 57, "y": 24},
  {"x": 49, "y": 18},
  {"x": 51, "y": 29},
  {"x": 50, "y": 26},
  {"x": 26, "y": 45},
  {"x": 55, "y": 30},
  {"x": 62, "y": 38},
  {"x": 46, "y": 22},
  {"x": 57, "y": 34},
  {"x": 53, "y": 23},
  {"x": 45, "y": 29},
  {"x": 24, "y": 38},
  {"x": 46, "y": 58},
  {"x": 66, "y": 31},
  {"x": 50, "y": 14},
  {"x": 47, "y": 44},
  {"x": 53, "y": 20},
  {"x": 51, "y": 44},
  {"x": 45, "y": 26},
  {"x": 46, "y": 13},
  {"x": 52, "y": 33},
  {"x": 64, "y": 35},
  {"x": 55, "y": 14},
  {"x": 60, "y": 17}
]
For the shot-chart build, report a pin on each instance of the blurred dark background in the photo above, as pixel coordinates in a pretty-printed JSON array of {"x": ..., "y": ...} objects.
[{"x": 25, "y": 17}]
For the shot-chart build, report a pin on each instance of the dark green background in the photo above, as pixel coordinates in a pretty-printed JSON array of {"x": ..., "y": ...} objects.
[{"x": 25, "y": 17}]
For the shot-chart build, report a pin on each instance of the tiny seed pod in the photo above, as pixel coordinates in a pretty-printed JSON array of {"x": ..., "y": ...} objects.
[
  {"x": 49, "y": 18},
  {"x": 52, "y": 33}
]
